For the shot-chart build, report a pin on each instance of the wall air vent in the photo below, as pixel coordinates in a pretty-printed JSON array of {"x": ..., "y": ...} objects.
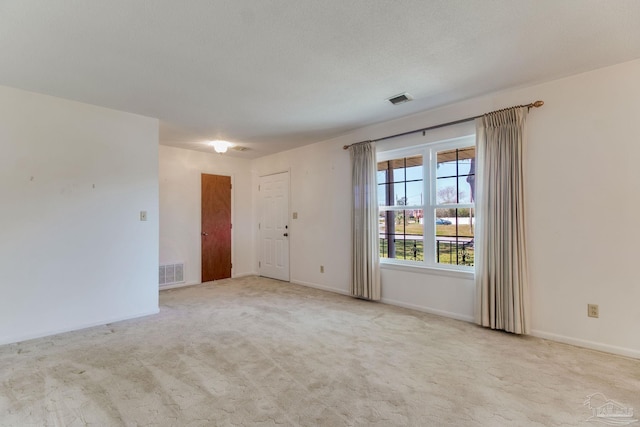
[
  {"x": 171, "y": 274},
  {"x": 399, "y": 99}
]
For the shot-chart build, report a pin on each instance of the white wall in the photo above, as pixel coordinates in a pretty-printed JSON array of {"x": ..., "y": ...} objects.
[
  {"x": 180, "y": 240},
  {"x": 318, "y": 174},
  {"x": 582, "y": 204},
  {"x": 73, "y": 180},
  {"x": 583, "y": 207}
]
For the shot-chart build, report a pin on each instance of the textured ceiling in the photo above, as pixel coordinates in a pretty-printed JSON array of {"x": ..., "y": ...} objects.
[{"x": 275, "y": 74}]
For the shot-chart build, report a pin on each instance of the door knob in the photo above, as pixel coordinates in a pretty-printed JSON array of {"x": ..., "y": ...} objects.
[
  {"x": 286, "y": 234},
  {"x": 204, "y": 234}
]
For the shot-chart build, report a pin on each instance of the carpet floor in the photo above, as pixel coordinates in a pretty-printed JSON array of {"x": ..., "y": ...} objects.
[{"x": 258, "y": 352}]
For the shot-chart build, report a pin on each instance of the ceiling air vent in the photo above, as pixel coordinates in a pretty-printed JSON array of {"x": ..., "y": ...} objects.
[{"x": 399, "y": 99}]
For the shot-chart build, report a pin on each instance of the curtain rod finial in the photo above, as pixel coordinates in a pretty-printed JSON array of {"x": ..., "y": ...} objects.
[
  {"x": 538, "y": 104},
  {"x": 345, "y": 147}
]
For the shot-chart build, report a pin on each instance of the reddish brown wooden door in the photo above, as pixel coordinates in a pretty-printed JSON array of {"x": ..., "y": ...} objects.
[{"x": 216, "y": 227}]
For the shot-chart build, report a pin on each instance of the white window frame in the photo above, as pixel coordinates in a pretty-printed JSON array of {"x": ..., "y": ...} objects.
[{"x": 429, "y": 171}]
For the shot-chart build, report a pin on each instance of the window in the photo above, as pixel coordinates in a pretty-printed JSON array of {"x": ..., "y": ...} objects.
[
  {"x": 400, "y": 195},
  {"x": 426, "y": 201}
]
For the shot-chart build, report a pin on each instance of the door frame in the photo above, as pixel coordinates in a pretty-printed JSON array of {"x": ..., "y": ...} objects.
[
  {"x": 289, "y": 220},
  {"x": 233, "y": 188}
]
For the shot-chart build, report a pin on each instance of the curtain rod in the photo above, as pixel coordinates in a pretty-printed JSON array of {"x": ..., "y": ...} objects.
[{"x": 455, "y": 122}]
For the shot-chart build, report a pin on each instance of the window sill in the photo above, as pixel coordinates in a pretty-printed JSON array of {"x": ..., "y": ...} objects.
[{"x": 387, "y": 265}]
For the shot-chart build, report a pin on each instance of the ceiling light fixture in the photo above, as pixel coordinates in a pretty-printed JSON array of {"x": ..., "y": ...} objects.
[{"x": 220, "y": 146}]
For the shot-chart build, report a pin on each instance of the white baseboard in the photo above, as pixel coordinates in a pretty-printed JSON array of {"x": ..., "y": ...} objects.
[
  {"x": 621, "y": 351},
  {"x": 429, "y": 310},
  {"x": 391, "y": 302},
  {"x": 27, "y": 337},
  {"x": 192, "y": 283},
  {"x": 178, "y": 285},
  {"x": 321, "y": 287},
  {"x": 247, "y": 274}
]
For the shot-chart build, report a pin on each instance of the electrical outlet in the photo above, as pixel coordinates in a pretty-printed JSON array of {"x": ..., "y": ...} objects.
[
  {"x": 322, "y": 269},
  {"x": 592, "y": 310}
]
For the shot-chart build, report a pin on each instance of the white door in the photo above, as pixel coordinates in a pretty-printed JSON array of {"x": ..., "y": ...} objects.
[{"x": 274, "y": 226}]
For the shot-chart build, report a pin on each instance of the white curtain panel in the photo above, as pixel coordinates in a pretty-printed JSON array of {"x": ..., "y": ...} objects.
[
  {"x": 501, "y": 256},
  {"x": 365, "y": 252}
]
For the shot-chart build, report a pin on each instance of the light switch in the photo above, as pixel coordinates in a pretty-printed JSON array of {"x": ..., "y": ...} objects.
[
  {"x": 295, "y": 215},
  {"x": 143, "y": 215}
]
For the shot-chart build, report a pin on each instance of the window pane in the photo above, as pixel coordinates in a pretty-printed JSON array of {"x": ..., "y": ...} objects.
[
  {"x": 401, "y": 234},
  {"x": 398, "y": 170},
  {"x": 412, "y": 197},
  {"x": 381, "y": 175},
  {"x": 414, "y": 193},
  {"x": 456, "y": 175},
  {"x": 382, "y": 195},
  {"x": 386, "y": 230},
  {"x": 464, "y": 190},
  {"x": 465, "y": 157},
  {"x": 414, "y": 161},
  {"x": 414, "y": 168},
  {"x": 446, "y": 163},
  {"x": 413, "y": 222},
  {"x": 467, "y": 169},
  {"x": 471, "y": 180},
  {"x": 455, "y": 236},
  {"x": 408, "y": 248},
  {"x": 399, "y": 195},
  {"x": 414, "y": 173},
  {"x": 446, "y": 191},
  {"x": 382, "y": 224},
  {"x": 456, "y": 162}
]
